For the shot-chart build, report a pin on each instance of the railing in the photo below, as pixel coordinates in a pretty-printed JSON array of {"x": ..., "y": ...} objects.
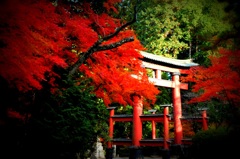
[{"x": 164, "y": 118}]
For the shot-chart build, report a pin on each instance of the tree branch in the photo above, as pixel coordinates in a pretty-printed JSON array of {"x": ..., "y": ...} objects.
[
  {"x": 122, "y": 27},
  {"x": 97, "y": 45},
  {"x": 115, "y": 45},
  {"x": 92, "y": 50}
]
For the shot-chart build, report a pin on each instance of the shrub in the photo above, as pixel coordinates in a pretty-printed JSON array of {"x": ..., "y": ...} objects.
[{"x": 213, "y": 143}]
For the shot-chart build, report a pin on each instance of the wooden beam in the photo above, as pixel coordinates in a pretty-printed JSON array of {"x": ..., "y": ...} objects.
[
  {"x": 166, "y": 83},
  {"x": 153, "y": 117},
  {"x": 122, "y": 118},
  {"x": 159, "y": 67},
  {"x": 164, "y": 68}
]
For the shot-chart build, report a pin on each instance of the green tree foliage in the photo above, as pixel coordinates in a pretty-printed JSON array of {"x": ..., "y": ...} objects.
[
  {"x": 64, "y": 123},
  {"x": 182, "y": 29},
  {"x": 75, "y": 117}
]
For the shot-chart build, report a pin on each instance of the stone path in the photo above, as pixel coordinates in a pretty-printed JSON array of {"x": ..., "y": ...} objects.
[{"x": 147, "y": 157}]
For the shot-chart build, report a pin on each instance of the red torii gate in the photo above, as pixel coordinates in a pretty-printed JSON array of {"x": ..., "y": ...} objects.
[
  {"x": 158, "y": 64},
  {"x": 176, "y": 67}
]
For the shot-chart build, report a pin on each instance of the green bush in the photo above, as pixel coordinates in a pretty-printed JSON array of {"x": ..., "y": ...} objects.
[
  {"x": 214, "y": 143},
  {"x": 69, "y": 122}
]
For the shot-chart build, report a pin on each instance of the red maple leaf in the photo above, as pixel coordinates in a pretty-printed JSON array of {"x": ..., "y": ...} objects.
[
  {"x": 220, "y": 80},
  {"x": 36, "y": 36}
]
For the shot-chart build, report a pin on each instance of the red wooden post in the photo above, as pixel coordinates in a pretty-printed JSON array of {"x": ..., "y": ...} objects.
[
  {"x": 204, "y": 118},
  {"x": 177, "y": 109},
  {"x": 153, "y": 130},
  {"x": 111, "y": 114},
  {"x": 153, "y": 125},
  {"x": 137, "y": 123},
  {"x": 166, "y": 127}
]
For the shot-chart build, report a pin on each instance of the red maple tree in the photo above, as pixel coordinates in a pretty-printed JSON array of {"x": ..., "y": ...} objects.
[
  {"x": 36, "y": 36},
  {"x": 220, "y": 80}
]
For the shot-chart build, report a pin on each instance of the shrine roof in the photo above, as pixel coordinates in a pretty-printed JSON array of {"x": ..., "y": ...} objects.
[{"x": 171, "y": 61}]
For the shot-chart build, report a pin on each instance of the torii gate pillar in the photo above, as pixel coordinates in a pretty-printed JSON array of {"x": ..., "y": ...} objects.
[
  {"x": 177, "y": 109},
  {"x": 137, "y": 123}
]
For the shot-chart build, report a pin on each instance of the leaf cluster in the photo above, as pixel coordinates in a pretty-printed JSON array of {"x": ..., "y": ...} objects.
[
  {"x": 96, "y": 42},
  {"x": 218, "y": 80},
  {"x": 73, "y": 119},
  {"x": 183, "y": 28}
]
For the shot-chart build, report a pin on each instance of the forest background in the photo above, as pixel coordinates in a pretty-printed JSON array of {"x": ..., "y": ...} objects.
[{"x": 63, "y": 62}]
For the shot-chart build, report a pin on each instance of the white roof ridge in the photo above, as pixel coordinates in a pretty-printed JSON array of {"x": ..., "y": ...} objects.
[{"x": 177, "y": 62}]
